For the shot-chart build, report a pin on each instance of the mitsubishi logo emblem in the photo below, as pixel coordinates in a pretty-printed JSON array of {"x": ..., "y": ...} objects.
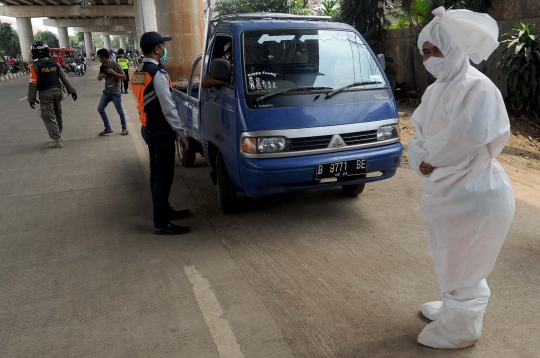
[{"x": 337, "y": 142}]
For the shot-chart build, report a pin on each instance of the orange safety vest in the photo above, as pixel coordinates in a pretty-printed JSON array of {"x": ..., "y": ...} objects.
[{"x": 142, "y": 83}]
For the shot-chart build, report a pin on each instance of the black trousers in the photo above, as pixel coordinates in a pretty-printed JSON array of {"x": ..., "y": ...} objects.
[
  {"x": 126, "y": 81},
  {"x": 161, "y": 145}
]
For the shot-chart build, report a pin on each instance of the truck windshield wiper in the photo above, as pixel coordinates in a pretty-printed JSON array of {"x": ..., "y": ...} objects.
[
  {"x": 299, "y": 88},
  {"x": 330, "y": 94}
]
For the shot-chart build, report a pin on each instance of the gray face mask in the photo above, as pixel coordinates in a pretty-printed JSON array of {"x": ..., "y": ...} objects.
[{"x": 435, "y": 66}]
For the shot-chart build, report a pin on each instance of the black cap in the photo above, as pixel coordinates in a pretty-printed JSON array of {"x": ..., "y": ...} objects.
[{"x": 152, "y": 38}]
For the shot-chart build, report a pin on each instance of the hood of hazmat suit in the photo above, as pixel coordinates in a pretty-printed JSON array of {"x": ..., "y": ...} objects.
[{"x": 467, "y": 201}]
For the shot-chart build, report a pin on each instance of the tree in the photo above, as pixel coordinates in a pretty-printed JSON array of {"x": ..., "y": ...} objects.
[
  {"x": 9, "y": 40},
  {"x": 98, "y": 41},
  {"x": 115, "y": 42},
  {"x": 80, "y": 37},
  {"x": 73, "y": 42},
  {"x": 416, "y": 13},
  {"x": 367, "y": 16},
  {"x": 226, "y": 7},
  {"x": 48, "y": 38}
]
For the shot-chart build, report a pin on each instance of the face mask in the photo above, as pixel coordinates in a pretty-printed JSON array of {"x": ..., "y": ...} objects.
[
  {"x": 435, "y": 66},
  {"x": 164, "y": 57}
]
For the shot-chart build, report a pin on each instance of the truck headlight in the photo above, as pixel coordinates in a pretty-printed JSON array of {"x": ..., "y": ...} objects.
[
  {"x": 271, "y": 144},
  {"x": 387, "y": 132}
]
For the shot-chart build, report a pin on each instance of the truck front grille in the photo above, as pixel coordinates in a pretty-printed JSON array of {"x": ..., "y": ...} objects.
[
  {"x": 310, "y": 143},
  {"x": 322, "y": 142},
  {"x": 360, "y": 137}
]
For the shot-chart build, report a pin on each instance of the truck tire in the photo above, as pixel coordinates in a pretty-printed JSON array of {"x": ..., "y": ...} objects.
[
  {"x": 187, "y": 159},
  {"x": 353, "y": 190},
  {"x": 226, "y": 189}
]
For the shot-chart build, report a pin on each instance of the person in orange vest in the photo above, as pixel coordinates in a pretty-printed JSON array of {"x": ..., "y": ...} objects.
[{"x": 160, "y": 124}]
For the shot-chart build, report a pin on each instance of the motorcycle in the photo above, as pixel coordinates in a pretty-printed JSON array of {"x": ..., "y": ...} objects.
[
  {"x": 16, "y": 67},
  {"x": 74, "y": 67}
]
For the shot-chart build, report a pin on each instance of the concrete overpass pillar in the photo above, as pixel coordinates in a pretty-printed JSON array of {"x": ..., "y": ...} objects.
[
  {"x": 88, "y": 44},
  {"x": 123, "y": 42},
  {"x": 107, "y": 42},
  {"x": 26, "y": 36},
  {"x": 63, "y": 37},
  {"x": 183, "y": 20},
  {"x": 145, "y": 17}
]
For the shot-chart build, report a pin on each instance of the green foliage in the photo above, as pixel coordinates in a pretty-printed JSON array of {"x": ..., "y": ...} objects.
[
  {"x": 520, "y": 63},
  {"x": 80, "y": 37},
  {"x": 418, "y": 12},
  {"x": 115, "y": 42},
  {"x": 299, "y": 7},
  {"x": 367, "y": 16},
  {"x": 98, "y": 41},
  {"x": 47, "y": 37},
  {"x": 331, "y": 8},
  {"x": 226, "y": 7},
  {"x": 9, "y": 40}
]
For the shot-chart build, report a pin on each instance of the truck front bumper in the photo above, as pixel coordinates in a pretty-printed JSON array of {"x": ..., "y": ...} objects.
[{"x": 262, "y": 177}]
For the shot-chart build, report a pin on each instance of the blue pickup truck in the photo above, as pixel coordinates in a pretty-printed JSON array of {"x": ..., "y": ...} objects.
[{"x": 303, "y": 103}]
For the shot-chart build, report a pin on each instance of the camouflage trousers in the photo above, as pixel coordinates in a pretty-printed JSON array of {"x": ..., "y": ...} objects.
[{"x": 51, "y": 111}]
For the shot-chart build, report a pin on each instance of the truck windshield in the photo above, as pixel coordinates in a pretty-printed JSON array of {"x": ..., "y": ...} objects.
[{"x": 280, "y": 59}]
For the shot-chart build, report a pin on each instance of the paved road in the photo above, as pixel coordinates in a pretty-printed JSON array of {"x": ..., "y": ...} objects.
[
  {"x": 309, "y": 274},
  {"x": 81, "y": 273}
]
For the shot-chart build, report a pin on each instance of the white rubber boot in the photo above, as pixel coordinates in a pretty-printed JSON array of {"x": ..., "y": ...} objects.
[
  {"x": 432, "y": 310},
  {"x": 459, "y": 324}
]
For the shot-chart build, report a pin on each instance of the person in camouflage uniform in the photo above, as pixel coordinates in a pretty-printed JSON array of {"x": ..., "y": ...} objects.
[{"x": 46, "y": 76}]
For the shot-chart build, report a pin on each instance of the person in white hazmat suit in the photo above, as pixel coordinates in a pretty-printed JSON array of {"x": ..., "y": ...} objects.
[{"x": 467, "y": 200}]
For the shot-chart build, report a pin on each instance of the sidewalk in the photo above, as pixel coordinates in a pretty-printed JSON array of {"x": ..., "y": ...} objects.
[{"x": 81, "y": 273}]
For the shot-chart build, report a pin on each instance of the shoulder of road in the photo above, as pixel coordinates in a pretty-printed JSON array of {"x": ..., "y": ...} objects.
[{"x": 11, "y": 76}]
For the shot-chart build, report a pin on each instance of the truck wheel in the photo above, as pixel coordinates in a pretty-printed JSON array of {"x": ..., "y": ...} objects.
[
  {"x": 226, "y": 189},
  {"x": 353, "y": 190},
  {"x": 187, "y": 159}
]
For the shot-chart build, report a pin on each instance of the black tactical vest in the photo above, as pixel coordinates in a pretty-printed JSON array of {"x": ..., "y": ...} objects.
[{"x": 47, "y": 72}]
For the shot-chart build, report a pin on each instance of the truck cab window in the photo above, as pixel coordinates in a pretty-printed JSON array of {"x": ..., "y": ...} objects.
[{"x": 222, "y": 49}]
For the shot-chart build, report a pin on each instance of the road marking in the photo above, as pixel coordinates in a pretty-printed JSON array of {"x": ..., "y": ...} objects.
[
  {"x": 25, "y": 97},
  {"x": 220, "y": 329}
]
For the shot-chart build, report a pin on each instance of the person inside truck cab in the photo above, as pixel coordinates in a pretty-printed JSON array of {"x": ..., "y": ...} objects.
[{"x": 208, "y": 81}]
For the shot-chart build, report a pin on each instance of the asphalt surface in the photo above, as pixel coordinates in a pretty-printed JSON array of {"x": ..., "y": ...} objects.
[{"x": 310, "y": 274}]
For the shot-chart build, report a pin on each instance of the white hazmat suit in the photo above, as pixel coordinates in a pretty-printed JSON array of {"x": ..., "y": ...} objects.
[{"x": 467, "y": 201}]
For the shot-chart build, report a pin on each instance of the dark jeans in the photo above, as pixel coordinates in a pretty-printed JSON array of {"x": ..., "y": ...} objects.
[{"x": 161, "y": 145}]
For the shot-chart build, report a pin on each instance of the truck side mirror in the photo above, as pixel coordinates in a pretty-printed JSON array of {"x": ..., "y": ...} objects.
[
  {"x": 220, "y": 69},
  {"x": 382, "y": 60}
]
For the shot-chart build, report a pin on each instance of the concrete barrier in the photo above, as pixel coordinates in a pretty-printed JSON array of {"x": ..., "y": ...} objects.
[{"x": 10, "y": 76}]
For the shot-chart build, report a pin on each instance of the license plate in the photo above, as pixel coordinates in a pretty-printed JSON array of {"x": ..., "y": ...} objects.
[{"x": 341, "y": 169}]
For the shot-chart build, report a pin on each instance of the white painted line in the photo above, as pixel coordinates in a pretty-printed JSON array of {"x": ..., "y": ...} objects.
[
  {"x": 25, "y": 97},
  {"x": 220, "y": 329}
]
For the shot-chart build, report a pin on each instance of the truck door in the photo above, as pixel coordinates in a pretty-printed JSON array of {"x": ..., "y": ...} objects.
[{"x": 218, "y": 107}]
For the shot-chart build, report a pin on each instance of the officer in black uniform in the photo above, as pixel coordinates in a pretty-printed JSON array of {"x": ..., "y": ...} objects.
[
  {"x": 45, "y": 77},
  {"x": 160, "y": 124}
]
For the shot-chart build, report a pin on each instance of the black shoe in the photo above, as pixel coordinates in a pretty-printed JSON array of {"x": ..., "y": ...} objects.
[
  {"x": 171, "y": 229},
  {"x": 179, "y": 214},
  {"x": 126, "y": 92}
]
